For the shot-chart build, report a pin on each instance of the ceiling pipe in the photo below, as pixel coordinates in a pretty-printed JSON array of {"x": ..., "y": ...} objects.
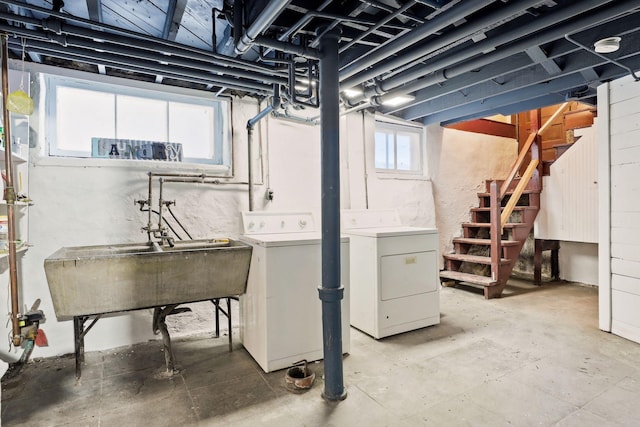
[
  {"x": 114, "y": 34},
  {"x": 133, "y": 52},
  {"x": 285, "y": 47},
  {"x": 507, "y": 48},
  {"x": 141, "y": 66},
  {"x": 436, "y": 24},
  {"x": 275, "y": 104},
  {"x": 269, "y": 14},
  {"x": 508, "y": 12}
]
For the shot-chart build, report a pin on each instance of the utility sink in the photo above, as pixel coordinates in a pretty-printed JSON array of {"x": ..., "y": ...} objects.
[{"x": 87, "y": 280}]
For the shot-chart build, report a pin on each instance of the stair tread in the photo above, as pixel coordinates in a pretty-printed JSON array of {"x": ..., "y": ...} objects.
[
  {"x": 515, "y": 208},
  {"x": 485, "y": 242},
  {"x": 477, "y": 259},
  {"x": 467, "y": 277},
  {"x": 509, "y": 193},
  {"x": 488, "y": 224}
]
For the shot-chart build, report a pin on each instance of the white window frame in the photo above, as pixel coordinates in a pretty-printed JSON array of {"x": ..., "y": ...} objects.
[
  {"x": 395, "y": 127},
  {"x": 221, "y": 164}
]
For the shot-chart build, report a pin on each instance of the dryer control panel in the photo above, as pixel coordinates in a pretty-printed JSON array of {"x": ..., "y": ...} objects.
[{"x": 365, "y": 218}]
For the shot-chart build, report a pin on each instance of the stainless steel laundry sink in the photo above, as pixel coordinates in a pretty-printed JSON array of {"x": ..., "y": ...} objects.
[{"x": 89, "y": 280}]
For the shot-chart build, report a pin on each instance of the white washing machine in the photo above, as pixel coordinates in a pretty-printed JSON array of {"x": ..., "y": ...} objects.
[
  {"x": 281, "y": 314},
  {"x": 394, "y": 282}
]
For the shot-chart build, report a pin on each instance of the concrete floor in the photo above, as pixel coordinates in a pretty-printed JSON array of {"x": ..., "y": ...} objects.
[{"x": 533, "y": 357}]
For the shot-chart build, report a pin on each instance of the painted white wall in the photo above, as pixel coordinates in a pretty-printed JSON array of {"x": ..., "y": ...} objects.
[
  {"x": 459, "y": 164},
  {"x": 89, "y": 202},
  {"x": 579, "y": 262},
  {"x": 569, "y": 199},
  {"x": 619, "y": 168}
]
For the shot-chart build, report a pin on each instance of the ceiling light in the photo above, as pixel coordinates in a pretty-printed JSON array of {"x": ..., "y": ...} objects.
[
  {"x": 353, "y": 92},
  {"x": 607, "y": 45},
  {"x": 398, "y": 100}
]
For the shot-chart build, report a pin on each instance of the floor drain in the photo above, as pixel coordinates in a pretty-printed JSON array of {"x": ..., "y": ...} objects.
[{"x": 299, "y": 376}]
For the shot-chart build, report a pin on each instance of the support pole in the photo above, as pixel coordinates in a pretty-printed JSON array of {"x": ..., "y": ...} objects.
[{"x": 331, "y": 290}]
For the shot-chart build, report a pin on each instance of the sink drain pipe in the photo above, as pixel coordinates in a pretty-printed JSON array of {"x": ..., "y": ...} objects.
[
  {"x": 275, "y": 104},
  {"x": 331, "y": 290}
]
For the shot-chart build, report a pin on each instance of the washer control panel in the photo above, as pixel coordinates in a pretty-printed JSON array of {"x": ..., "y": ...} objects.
[{"x": 277, "y": 222}]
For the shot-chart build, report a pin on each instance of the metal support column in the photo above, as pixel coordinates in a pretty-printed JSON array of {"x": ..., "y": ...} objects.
[{"x": 331, "y": 290}]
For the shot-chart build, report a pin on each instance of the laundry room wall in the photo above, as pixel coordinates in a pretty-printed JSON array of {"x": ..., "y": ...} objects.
[
  {"x": 459, "y": 164},
  {"x": 89, "y": 203}
]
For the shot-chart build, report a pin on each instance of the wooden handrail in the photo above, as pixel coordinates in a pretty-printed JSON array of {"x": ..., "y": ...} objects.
[
  {"x": 551, "y": 119},
  {"x": 516, "y": 166},
  {"x": 524, "y": 180}
]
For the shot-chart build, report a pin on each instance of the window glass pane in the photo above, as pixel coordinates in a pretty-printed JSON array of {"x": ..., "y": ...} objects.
[
  {"x": 141, "y": 119},
  {"x": 404, "y": 153},
  {"x": 383, "y": 151},
  {"x": 192, "y": 126},
  {"x": 398, "y": 148},
  {"x": 82, "y": 110},
  {"x": 81, "y": 115}
]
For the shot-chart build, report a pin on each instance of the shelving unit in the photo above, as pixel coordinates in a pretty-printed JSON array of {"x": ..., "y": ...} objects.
[{"x": 21, "y": 178}]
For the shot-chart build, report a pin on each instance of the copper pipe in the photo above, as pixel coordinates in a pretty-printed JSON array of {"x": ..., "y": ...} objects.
[{"x": 10, "y": 194}]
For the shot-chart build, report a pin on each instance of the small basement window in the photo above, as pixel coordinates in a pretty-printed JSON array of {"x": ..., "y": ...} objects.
[
  {"x": 398, "y": 148},
  {"x": 95, "y": 119}
]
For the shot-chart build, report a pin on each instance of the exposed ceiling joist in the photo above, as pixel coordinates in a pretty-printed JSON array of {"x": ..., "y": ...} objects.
[
  {"x": 538, "y": 56},
  {"x": 454, "y": 58}
]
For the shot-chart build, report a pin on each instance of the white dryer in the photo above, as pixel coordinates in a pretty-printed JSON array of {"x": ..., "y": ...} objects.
[
  {"x": 394, "y": 284},
  {"x": 280, "y": 313}
]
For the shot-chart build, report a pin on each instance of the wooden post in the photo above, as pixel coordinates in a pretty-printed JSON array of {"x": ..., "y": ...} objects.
[
  {"x": 496, "y": 227},
  {"x": 537, "y": 262}
]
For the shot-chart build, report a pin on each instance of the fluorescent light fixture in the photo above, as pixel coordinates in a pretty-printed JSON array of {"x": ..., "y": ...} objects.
[
  {"x": 398, "y": 100},
  {"x": 353, "y": 92},
  {"x": 607, "y": 45},
  {"x": 303, "y": 84}
]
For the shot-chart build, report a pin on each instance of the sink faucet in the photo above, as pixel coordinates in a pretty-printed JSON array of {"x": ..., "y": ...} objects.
[
  {"x": 166, "y": 239},
  {"x": 170, "y": 241}
]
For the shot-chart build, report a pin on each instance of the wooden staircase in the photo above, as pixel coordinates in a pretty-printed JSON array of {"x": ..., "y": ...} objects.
[
  {"x": 472, "y": 261},
  {"x": 491, "y": 243}
]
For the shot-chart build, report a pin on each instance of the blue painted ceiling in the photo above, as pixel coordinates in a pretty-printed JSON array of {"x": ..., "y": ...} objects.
[{"x": 455, "y": 59}]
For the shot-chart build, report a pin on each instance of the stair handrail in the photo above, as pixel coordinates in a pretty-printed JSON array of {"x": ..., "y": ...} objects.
[
  {"x": 515, "y": 196},
  {"x": 518, "y": 163},
  {"x": 527, "y": 146},
  {"x": 553, "y": 117}
]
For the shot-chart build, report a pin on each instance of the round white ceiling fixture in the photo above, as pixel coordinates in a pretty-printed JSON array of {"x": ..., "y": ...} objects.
[{"x": 607, "y": 45}]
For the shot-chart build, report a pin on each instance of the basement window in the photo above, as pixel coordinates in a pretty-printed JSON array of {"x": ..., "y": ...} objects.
[
  {"x": 398, "y": 148},
  {"x": 95, "y": 119}
]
